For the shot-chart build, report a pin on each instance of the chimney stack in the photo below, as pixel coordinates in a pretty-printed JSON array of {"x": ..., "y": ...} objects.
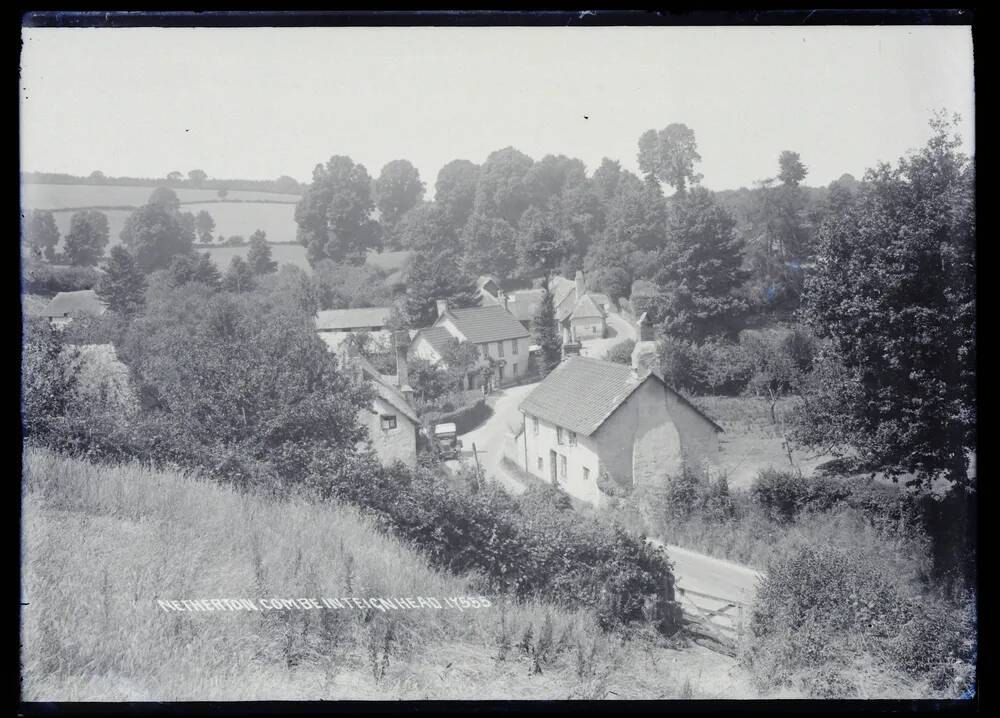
[
  {"x": 442, "y": 306},
  {"x": 645, "y": 328},
  {"x": 581, "y": 287},
  {"x": 503, "y": 298},
  {"x": 400, "y": 341}
]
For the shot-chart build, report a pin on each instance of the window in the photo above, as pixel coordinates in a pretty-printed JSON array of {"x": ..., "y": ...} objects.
[
  {"x": 559, "y": 435},
  {"x": 515, "y": 368},
  {"x": 562, "y": 466},
  {"x": 586, "y": 474},
  {"x": 513, "y": 346},
  {"x": 572, "y": 438},
  {"x": 499, "y": 349},
  {"x": 388, "y": 422},
  {"x": 541, "y": 465},
  {"x": 534, "y": 426}
]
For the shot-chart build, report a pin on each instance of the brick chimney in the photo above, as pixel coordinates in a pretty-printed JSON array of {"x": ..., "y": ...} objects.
[
  {"x": 442, "y": 306},
  {"x": 581, "y": 286}
]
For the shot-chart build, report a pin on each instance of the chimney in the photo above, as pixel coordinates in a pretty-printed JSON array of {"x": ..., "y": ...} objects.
[
  {"x": 442, "y": 306},
  {"x": 645, "y": 328},
  {"x": 503, "y": 298},
  {"x": 645, "y": 357},
  {"x": 581, "y": 287},
  {"x": 401, "y": 340}
]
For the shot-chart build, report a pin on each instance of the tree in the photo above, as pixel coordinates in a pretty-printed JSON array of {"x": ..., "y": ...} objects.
[
  {"x": 460, "y": 358},
  {"x": 48, "y": 382},
  {"x": 41, "y": 233},
  {"x": 894, "y": 295},
  {"x": 545, "y": 331},
  {"x": 97, "y": 177},
  {"x": 501, "y": 192},
  {"x": 259, "y": 256},
  {"x": 165, "y": 197},
  {"x": 490, "y": 245},
  {"x": 428, "y": 230},
  {"x": 334, "y": 216},
  {"x": 455, "y": 191},
  {"x": 541, "y": 246},
  {"x": 606, "y": 179},
  {"x": 205, "y": 226},
  {"x": 233, "y": 240},
  {"x": 223, "y": 193},
  {"x": 621, "y": 353},
  {"x": 286, "y": 184},
  {"x": 155, "y": 233},
  {"x": 700, "y": 270},
  {"x": 669, "y": 156},
  {"x": 123, "y": 284},
  {"x": 87, "y": 238},
  {"x": 239, "y": 277},
  {"x": 174, "y": 176},
  {"x": 194, "y": 268},
  {"x": 197, "y": 177},
  {"x": 548, "y": 178},
  {"x": 397, "y": 190},
  {"x": 431, "y": 279},
  {"x": 792, "y": 170}
]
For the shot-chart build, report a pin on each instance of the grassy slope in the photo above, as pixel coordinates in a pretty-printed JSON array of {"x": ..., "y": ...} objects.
[{"x": 102, "y": 544}]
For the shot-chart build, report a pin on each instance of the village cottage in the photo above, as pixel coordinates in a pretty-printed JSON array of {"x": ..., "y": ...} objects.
[
  {"x": 590, "y": 418},
  {"x": 495, "y": 331},
  {"x": 391, "y": 420},
  {"x": 67, "y": 305}
]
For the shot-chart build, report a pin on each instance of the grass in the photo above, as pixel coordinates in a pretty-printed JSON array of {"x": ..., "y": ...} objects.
[
  {"x": 102, "y": 544},
  {"x": 751, "y": 441}
]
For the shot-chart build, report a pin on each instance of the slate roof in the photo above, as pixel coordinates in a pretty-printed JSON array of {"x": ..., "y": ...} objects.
[
  {"x": 387, "y": 391},
  {"x": 487, "y": 324},
  {"x": 437, "y": 337},
  {"x": 587, "y": 308},
  {"x": 581, "y": 393},
  {"x": 66, "y": 304},
  {"x": 332, "y": 319}
]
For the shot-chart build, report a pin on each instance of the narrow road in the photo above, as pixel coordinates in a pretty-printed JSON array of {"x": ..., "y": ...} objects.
[
  {"x": 618, "y": 331},
  {"x": 489, "y": 437}
]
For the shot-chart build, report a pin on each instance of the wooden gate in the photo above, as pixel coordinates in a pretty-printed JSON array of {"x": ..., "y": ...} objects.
[{"x": 716, "y": 620}]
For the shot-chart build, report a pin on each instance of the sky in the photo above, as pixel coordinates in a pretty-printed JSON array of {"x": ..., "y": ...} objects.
[{"x": 257, "y": 103}]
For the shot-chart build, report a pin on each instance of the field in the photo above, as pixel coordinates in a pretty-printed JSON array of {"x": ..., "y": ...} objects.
[
  {"x": 102, "y": 544},
  {"x": 62, "y": 196},
  {"x": 751, "y": 442},
  {"x": 280, "y": 253}
]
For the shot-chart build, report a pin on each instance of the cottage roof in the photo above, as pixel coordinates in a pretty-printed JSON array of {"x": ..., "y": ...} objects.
[
  {"x": 437, "y": 337},
  {"x": 487, "y": 324},
  {"x": 524, "y": 304},
  {"x": 66, "y": 304},
  {"x": 581, "y": 393},
  {"x": 333, "y": 319},
  {"x": 386, "y": 390},
  {"x": 587, "y": 308}
]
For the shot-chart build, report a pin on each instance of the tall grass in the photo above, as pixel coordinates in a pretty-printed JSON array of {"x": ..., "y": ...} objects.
[{"x": 102, "y": 544}]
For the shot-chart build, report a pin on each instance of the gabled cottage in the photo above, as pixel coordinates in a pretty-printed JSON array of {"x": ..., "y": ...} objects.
[
  {"x": 67, "y": 305},
  {"x": 596, "y": 428},
  {"x": 495, "y": 331}
]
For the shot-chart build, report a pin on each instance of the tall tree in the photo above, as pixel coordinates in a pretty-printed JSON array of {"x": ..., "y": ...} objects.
[
  {"x": 501, "y": 192},
  {"x": 197, "y": 177},
  {"x": 87, "y": 237},
  {"x": 41, "y": 233},
  {"x": 669, "y": 156},
  {"x": 606, "y": 179},
  {"x": 155, "y": 233},
  {"x": 490, "y": 245},
  {"x": 259, "y": 256},
  {"x": 427, "y": 229},
  {"x": 792, "y": 171},
  {"x": 894, "y": 293},
  {"x": 700, "y": 270},
  {"x": 541, "y": 244},
  {"x": 431, "y": 279},
  {"x": 165, "y": 197},
  {"x": 334, "y": 216},
  {"x": 397, "y": 190},
  {"x": 545, "y": 330},
  {"x": 205, "y": 226},
  {"x": 455, "y": 191},
  {"x": 123, "y": 284},
  {"x": 239, "y": 276},
  {"x": 187, "y": 268}
]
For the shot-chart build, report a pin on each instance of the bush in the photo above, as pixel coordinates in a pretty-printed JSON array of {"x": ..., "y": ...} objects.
[
  {"x": 621, "y": 352},
  {"x": 780, "y": 494},
  {"x": 49, "y": 279},
  {"x": 465, "y": 418},
  {"x": 821, "y": 611},
  {"x": 529, "y": 546}
]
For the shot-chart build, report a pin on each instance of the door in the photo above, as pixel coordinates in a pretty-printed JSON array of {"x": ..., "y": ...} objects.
[{"x": 552, "y": 467}]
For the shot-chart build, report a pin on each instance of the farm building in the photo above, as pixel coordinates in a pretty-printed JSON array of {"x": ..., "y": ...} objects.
[
  {"x": 336, "y": 326},
  {"x": 497, "y": 333},
  {"x": 597, "y": 428},
  {"x": 67, "y": 305}
]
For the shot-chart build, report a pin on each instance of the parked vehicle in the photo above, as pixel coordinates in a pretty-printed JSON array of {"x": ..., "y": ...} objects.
[{"x": 446, "y": 437}]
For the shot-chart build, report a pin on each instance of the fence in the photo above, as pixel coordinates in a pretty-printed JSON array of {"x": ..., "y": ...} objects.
[{"x": 718, "y": 619}]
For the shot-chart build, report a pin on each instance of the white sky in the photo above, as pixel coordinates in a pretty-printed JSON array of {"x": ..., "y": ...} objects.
[{"x": 257, "y": 103}]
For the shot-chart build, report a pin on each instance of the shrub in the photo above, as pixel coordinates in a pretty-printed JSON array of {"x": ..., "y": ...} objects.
[
  {"x": 621, "y": 352},
  {"x": 466, "y": 418},
  {"x": 820, "y": 611},
  {"x": 51, "y": 279},
  {"x": 781, "y": 494}
]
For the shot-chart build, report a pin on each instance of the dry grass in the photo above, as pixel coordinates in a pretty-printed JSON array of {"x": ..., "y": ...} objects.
[{"x": 102, "y": 544}]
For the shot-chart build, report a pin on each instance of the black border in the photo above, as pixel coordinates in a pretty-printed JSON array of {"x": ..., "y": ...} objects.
[{"x": 487, "y": 18}]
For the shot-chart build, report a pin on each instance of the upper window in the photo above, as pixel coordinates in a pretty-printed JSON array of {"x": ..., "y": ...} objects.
[
  {"x": 559, "y": 436},
  {"x": 388, "y": 422},
  {"x": 572, "y": 438},
  {"x": 499, "y": 349},
  {"x": 586, "y": 474},
  {"x": 534, "y": 425},
  {"x": 513, "y": 346}
]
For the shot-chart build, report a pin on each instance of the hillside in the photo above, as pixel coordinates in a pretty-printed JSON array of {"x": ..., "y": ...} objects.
[{"x": 102, "y": 544}]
